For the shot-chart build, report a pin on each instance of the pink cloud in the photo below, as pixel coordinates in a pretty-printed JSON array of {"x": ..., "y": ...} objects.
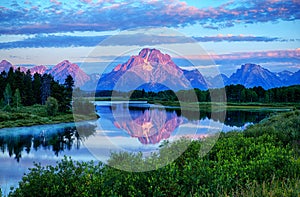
[
  {"x": 245, "y": 55},
  {"x": 55, "y": 2},
  {"x": 86, "y": 1},
  {"x": 149, "y": 13}
]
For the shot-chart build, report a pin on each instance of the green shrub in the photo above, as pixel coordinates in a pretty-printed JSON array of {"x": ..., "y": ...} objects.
[
  {"x": 7, "y": 108},
  {"x": 68, "y": 178},
  {"x": 51, "y": 106}
]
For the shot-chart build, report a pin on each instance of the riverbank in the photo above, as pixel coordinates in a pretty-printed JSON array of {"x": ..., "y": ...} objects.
[
  {"x": 36, "y": 115},
  {"x": 228, "y": 105},
  {"x": 192, "y": 105}
]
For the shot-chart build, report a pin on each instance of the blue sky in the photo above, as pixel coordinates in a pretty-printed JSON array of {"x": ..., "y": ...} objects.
[{"x": 230, "y": 32}]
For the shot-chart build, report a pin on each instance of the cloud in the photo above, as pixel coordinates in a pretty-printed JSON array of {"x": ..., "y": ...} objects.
[
  {"x": 54, "y": 41},
  {"x": 276, "y": 61},
  {"x": 107, "y": 15},
  {"x": 239, "y": 38},
  {"x": 55, "y": 2},
  {"x": 86, "y": 1},
  {"x": 258, "y": 55},
  {"x": 138, "y": 39}
]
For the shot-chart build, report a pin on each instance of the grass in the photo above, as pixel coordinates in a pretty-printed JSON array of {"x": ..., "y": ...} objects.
[
  {"x": 36, "y": 115},
  {"x": 285, "y": 187},
  {"x": 229, "y": 106},
  {"x": 195, "y": 106}
]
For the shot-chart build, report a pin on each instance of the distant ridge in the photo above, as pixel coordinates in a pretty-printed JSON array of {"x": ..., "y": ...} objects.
[
  {"x": 59, "y": 72},
  {"x": 251, "y": 75},
  {"x": 5, "y": 66},
  {"x": 65, "y": 68}
]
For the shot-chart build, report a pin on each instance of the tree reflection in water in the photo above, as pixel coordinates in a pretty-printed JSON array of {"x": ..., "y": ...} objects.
[{"x": 66, "y": 138}]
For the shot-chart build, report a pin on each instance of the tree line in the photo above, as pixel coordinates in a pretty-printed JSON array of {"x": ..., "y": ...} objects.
[
  {"x": 24, "y": 89},
  {"x": 230, "y": 93}
]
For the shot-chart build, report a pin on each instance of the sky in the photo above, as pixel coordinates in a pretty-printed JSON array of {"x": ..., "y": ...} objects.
[{"x": 93, "y": 33}]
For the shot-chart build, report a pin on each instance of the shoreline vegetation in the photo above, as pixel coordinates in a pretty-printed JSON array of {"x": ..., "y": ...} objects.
[
  {"x": 230, "y": 97},
  {"x": 263, "y": 160},
  {"x": 203, "y": 105},
  {"x": 28, "y": 100},
  {"x": 37, "y": 115}
]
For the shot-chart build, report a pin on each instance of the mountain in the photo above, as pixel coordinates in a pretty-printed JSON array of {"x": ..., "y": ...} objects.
[
  {"x": 284, "y": 75},
  {"x": 294, "y": 79},
  {"x": 91, "y": 84},
  {"x": 224, "y": 78},
  {"x": 5, "y": 65},
  {"x": 218, "y": 81},
  {"x": 59, "y": 72},
  {"x": 150, "y": 70},
  {"x": 65, "y": 68},
  {"x": 38, "y": 69},
  {"x": 196, "y": 79},
  {"x": 251, "y": 75}
]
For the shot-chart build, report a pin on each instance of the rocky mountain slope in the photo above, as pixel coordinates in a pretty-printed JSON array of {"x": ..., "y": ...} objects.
[
  {"x": 150, "y": 70},
  {"x": 251, "y": 75}
]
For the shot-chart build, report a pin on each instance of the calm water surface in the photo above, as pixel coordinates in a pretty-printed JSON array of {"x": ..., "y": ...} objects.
[{"x": 122, "y": 127}]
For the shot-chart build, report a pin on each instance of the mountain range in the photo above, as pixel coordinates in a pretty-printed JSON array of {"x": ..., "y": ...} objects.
[
  {"x": 59, "y": 72},
  {"x": 152, "y": 70}
]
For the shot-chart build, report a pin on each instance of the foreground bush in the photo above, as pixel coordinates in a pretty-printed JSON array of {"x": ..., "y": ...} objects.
[
  {"x": 257, "y": 162},
  {"x": 51, "y": 106}
]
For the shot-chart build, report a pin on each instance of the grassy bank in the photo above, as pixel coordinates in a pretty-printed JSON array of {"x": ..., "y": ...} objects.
[
  {"x": 264, "y": 160},
  {"x": 228, "y": 106},
  {"x": 35, "y": 115},
  {"x": 209, "y": 105}
]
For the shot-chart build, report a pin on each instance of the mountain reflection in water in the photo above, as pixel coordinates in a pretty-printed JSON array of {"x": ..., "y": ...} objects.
[{"x": 151, "y": 126}]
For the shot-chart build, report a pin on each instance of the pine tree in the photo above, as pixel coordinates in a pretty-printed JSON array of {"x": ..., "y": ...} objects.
[
  {"x": 58, "y": 92},
  {"x": 46, "y": 88},
  {"x": 2, "y": 83},
  {"x": 69, "y": 84},
  {"x": 7, "y": 95},
  {"x": 17, "y": 98},
  {"x": 10, "y": 78},
  {"x": 19, "y": 81},
  {"x": 18, "y": 77},
  {"x": 37, "y": 88},
  {"x": 28, "y": 92},
  {"x": 243, "y": 95}
]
